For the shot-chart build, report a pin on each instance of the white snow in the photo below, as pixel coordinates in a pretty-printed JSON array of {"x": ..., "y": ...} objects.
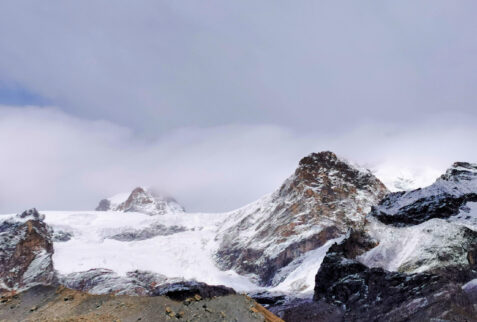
[
  {"x": 301, "y": 279},
  {"x": 37, "y": 267},
  {"x": 416, "y": 248},
  {"x": 467, "y": 216},
  {"x": 405, "y": 179},
  {"x": 186, "y": 254}
]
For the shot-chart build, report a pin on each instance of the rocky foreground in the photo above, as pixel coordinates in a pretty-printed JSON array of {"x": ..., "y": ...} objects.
[{"x": 48, "y": 303}]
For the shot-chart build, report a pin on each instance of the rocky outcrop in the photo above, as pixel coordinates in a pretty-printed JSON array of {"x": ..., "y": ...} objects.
[
  {"x": 26, "y": 251},
  {"x": 142, "y": 283},
  {"x": 181, "y": 291},
  {"x": 320, "y": 201},
  {"x": 144, "y": 201},
  {"x": 374, "y": 294},
  {"x": 443, "y": 199},
  {"x": 146, "y": 233}
]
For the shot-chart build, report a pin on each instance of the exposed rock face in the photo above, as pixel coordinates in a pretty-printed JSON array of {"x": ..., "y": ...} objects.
[
  {"x": 148, "y": 232},
  {"x": 442, "y": 199},
  {"x": 181, "y": 291},
  {"x": 374, "y": 294},
  {"x": 61, "y": 236},
  {"x": 26, "y": 251},
  {"x": 320, "y": 201},
  {"x": 104, "y": 205},
  {"x": 144, "y": 201}
]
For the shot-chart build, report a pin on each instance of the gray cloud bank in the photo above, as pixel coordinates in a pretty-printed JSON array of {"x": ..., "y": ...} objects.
[
  {"x": 214, "y": 102},
  {"x": 52, "y": 160},
  {"x": 154, "y": 66}
]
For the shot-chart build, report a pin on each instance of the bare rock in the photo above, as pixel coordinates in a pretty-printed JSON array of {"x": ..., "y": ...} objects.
[{"x": 26, "y": 250}]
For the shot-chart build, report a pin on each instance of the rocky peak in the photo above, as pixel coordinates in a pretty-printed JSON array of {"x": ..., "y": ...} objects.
[
  {"x": 326, "y": 169},
  {"x": 443, "y": 199},
  {"x": 141, "y": 200},
  {"x": 461, "y": 171},
  {"x": 32, "y": 214},
  {"x": 319, "y": 202},
  {"x": 26, "y": 250}
]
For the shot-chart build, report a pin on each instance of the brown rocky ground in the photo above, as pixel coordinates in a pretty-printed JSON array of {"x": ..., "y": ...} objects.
[{"x": 47, "y": 303}]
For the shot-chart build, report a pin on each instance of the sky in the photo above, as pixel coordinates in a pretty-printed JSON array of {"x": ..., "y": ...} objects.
[{"x": 215, "y": 102}]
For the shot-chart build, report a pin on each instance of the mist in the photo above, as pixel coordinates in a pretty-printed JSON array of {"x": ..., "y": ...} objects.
[{"x": 54, "y": 161}]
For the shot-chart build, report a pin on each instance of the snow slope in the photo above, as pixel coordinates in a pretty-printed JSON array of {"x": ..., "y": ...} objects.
[
  {"x": 405, "y": 179},
  {"x": 434, "y": 244},
  {"x": 186, "y": 254}
]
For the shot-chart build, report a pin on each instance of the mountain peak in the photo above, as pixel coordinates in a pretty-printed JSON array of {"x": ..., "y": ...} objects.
[
  {"x": 326, "y": 168},
  {"x": 324, "y": 158},
  {"x": 461, "y": 171},
  {"x": 141, "y": 200},
  {"x": 443, "y": 199}
]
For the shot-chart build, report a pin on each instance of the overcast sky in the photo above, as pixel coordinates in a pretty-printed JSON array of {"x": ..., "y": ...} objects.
[{"x": 214, "y": 102}]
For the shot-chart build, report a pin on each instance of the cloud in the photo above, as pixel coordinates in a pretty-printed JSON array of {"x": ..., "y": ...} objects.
[
  {"x": 155, "y": 66},
  {"x": 52, "y": 160}
]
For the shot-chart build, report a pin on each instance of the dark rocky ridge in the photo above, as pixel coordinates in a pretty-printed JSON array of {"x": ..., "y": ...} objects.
[
  {"x": 373, "y": 294},
  {"x": 181, "y": 291},
  {"x": 325, "y": 194},
  {"x": 443, "y": 199}
]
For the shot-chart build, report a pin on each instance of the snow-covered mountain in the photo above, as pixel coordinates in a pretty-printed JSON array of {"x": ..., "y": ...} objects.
[
  {"x": 319, "y": 202},
  {"x": 442, "y": 199},
  {"x": 392, "y": 256},
  {"x": 141, "y": 200},
  {"x": 279, "y": 240},
  {"x": 428, "y": 229},
  {"x": 414, "y": 259}
]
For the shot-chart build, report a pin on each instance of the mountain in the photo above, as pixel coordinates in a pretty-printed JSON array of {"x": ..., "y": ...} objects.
[
  {"x": 331, "y": 243},
  {"x": 319, "y": 202},
  {"x": 415, "y": 259},
  {"x": 141, "y": 200}
]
